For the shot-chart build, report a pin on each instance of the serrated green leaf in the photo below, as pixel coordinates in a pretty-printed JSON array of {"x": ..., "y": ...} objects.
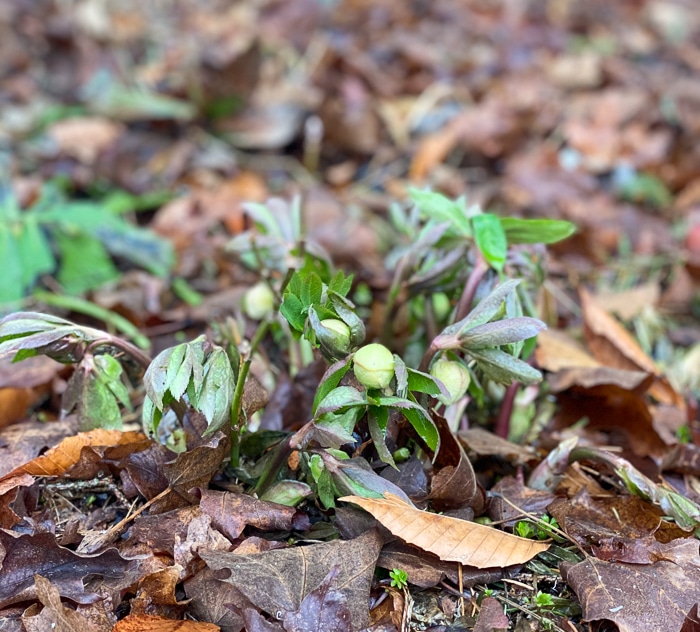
[
  {"x": 502, "y": 367},
  {"x": 312, "y": 290},
  {"x": 109, "y": 371},
  {"x": 341, "y": 397},
  {"x": 155, "y": 380},
  {"x": 340, "y": 284},
  {"x": 501, "y": 332},
  {"x": 331, "y": 378},
  {"x": 293, "y": 310},
  {"x": 490, "y": 239},
  {"x": 536, "y": 231},
  {"x": 217, "y": 390},
  {"x": 424, "y": 426},
  {"x": 341, "y": 425}
]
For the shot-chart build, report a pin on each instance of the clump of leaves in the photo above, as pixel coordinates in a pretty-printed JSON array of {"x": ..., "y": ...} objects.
[{"x": 76, "y": 240}]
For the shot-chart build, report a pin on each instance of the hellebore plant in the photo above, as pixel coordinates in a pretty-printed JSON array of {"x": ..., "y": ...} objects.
[{"x": 454, "y": 256}]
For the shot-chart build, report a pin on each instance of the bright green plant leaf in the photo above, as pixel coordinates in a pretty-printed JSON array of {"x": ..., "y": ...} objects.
[
  {"x": 109, "y": 371},
  {"x": 11, "y": 288},
  {"x": 293, "y": 310},
  {"x": 341, "y": 397},
  {"x": 417, "y": 416},
  {"x": 490, "y": 239},
  {"x": 331, "y": 378},
  {"x": 216, "y": 394},
  {"x": 419, "y": 382},
  {"x": 85, "y": 264},
  {"x": 377, "y": 420},
  {"x": 34, "y": 252},
  {"x": 536, "y": 231},
  {"x": 435, "y": 206}
]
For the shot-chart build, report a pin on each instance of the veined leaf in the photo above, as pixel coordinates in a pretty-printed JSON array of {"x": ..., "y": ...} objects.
[
  {"x": 436, "y": 206},
  {"x": 341, "y": 397},
  {"x": 501, "y": 332},
  {"x": 331, "y": 378},
  {"x": 503, "y": 367},
  {"x": 536, "y": 231}
]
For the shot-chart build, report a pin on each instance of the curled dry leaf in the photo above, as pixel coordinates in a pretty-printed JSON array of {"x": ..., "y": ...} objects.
[
  {"x": 67, "y": 453},
  {"x": 451, "y": 539},
  {"x": 615, "y": 347}
]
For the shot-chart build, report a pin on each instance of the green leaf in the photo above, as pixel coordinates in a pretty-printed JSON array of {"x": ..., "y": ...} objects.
[
  {"x": 11, "y": 288},
  {"x": 490, "y": 239},
  {"x": 217, "y": 390},
  {"x": 504, "y": 368},
  {"x": 324, "y": 483},
  {"x": 312, "y": 290},
  {"x": 487, "y": 307},
  {"x": 425, "y": 428},
  {"x": 337, "y": 427},
  {"x": 331, "y": 378},
  {"x": 536, "y": 231},
  {"x": 435, "y": 206},
  {"x": 84, "y": 263},
  {"x": 294, "y": 311},
  {"x": 377, "y": 421},
  {"x": 35, "y": 256},
  {"x": 401, "y": 374},
  {"x": 340, "y": 284},
  {"x": 345, "y": 310},
  {"x": 419, "y": 382},
  {"x": 341, "y": 397},
  {"x": 109, "y": 371},
  {"x": 501, "y": 332}
]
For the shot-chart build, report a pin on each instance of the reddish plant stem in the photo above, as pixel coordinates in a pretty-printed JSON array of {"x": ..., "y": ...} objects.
[
  {"x": 477, "y": 274},
  {"x": 502, "y": 426}
]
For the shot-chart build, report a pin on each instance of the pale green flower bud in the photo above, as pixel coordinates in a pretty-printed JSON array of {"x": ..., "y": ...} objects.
[
  {"x": 374, "y": 366},
  {"x": 339, "y": 340},
  {"x": 454, "y": 375},
  {"x": 258, "y": 301}
]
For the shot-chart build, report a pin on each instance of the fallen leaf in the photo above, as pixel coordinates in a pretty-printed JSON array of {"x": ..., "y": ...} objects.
[
  {"x": 484, "y": 443},
  {"x": 67, "y": 453},
  {"x": 491, "y": 617},
  {"x": 28, "y": 555},
  {"x": 451, "y": 539},
  {"x": 614, "y": 346},
  {"x": 230, "y": 513},
  {"x": 635, "y": 597},
  {"x": 148, "y": 623},
  {"x": 325, "y": 608},
  {"x": 277, "y": 581},
  {"x": 55, "y": 616},
  {"x": 556, "y": 350}
]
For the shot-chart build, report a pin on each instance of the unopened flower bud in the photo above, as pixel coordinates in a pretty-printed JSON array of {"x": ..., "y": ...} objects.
[
  {"x": 339, "y": 339},
  {"x": 258, "y": 301},
  {"x": 374, "y": 366},
  {"x": 455, "y": 377}
]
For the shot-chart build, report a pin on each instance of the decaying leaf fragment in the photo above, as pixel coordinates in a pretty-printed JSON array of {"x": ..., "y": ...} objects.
[{"x": 451, "y": 539}]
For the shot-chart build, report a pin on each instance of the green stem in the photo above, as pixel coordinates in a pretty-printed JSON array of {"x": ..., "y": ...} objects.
[
  {"x": 260, "y": 333},
  {"x": 80, "y": 305},
  {"x": 392, "y": 295}
]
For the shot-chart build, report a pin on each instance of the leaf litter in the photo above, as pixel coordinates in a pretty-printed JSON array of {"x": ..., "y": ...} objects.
[{"x": 586, "y": 114}]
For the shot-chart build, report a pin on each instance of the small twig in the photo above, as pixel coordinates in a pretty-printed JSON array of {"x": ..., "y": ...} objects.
[{"x": 94, "y": 544}]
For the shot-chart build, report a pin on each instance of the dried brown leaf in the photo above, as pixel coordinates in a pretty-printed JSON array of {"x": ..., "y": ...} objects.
[
  {"x": 67, "y": 453},
  {"x": 450, "y": 539},
  {"x": 148, "y": 623},
  {"x": 614, "y": 346}
]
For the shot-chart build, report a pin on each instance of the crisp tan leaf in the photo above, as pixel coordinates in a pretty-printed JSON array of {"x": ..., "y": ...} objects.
[{"x": 451, "y": 539}]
